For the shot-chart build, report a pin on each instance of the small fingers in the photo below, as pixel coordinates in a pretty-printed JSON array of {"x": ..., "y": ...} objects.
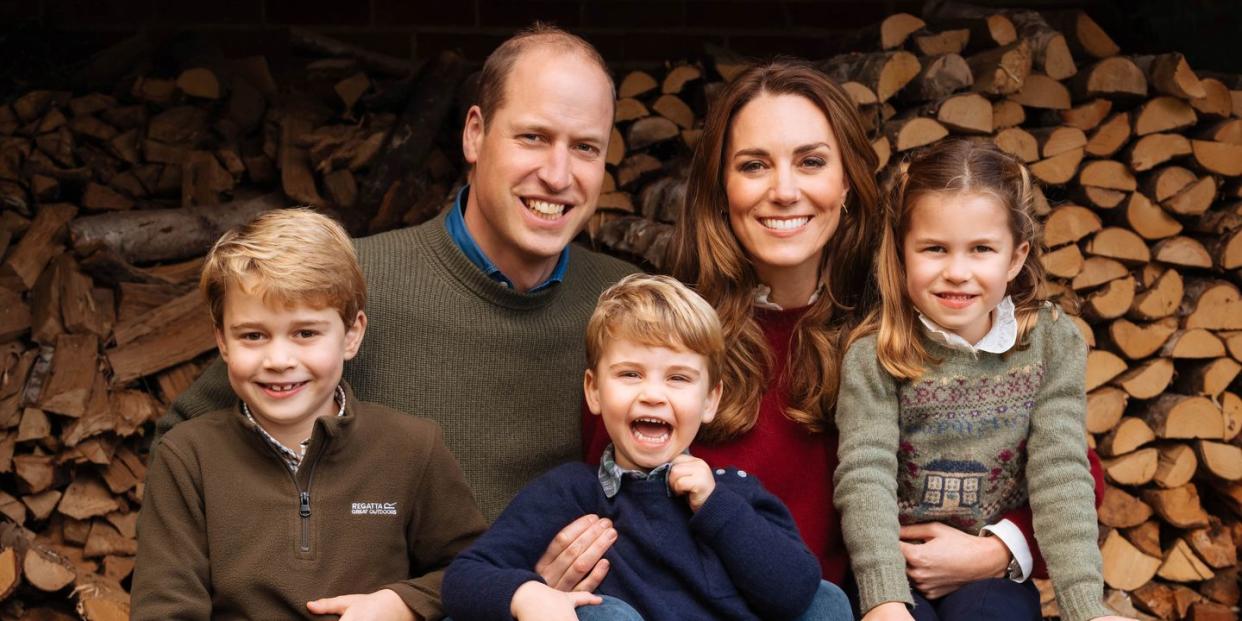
[
  {"x": 595, "y": 578},
  {"x": 582, "y": 598},
  {"x": 330, "y": 605}
]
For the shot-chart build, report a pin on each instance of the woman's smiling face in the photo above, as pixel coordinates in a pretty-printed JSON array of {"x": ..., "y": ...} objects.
[{"x": 785, "y": 184}]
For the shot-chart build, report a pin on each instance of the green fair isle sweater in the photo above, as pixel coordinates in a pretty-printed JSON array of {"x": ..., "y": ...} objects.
[
  {"x": 962, "y": 445},
  {"x": 501, "y": 371}
]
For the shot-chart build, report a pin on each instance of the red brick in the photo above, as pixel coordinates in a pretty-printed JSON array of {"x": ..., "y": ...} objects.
[
  {"x": 519, "y": 13},
  {"x": 836, "y": 15},
  {"x": 473, "y": 45},
  {"x": 233, "y": 12},
  {"x": 737, "y": 15},
  {"x": 633, "y": 14},
  {"x": 439, "y": 13},
  {"x": 94, "y": 13},
  {"x": 318, "y": 13}
]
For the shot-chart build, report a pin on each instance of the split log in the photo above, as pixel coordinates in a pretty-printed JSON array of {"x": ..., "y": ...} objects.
[
  {"x": 1155, "y": 149},
  {"x": 914, "y": 132},
  {"x": 1120, "y": 244},
  {"x": 649, "y": 131},
  {"x": 1178, "y": 506},
  {"x": 1043, "y": 92},
  {"x": 1112, "y": 301},
  {"x": 1169, "y": 74},
  {"x": 1086, "y": 116},
  {"x": 1121, "y": 510},
  {"x": 677, "y": 78},
  {"x": 636, "y": 83},
  {"x": 674, "y": 109},
  {"x": 1102, "y": 366},
  {"x": 73, "y": 372},
  {"x": 1001, "y": 71},
  {"x": 1147, "y": 380},
  {"x": 1180, "y": 416},
  {"x": 1154, "y": 598},
  {"x": 1017, "y": 142},
  {"x": 968, "y": 113},
  {"x": 1064, "y": 262},
  {"x": 1130, "y": 434},
  {"x": 1068, "y": 224},
  {"x": 1140, "y": 341},
  {"x": 951, "y": 41},
  {"x": 1221, "y": 158},
  {"x": 938, "y": 78},
  {"x": 45, "y": 570},
  {"x": 885, "y": 73},
  {"x": 1135, "y": 468},
  {"x": 1209, "y": 377},
  {"x": 1104, "y": 408},
  {"x": 1148, "y": 219},
  {"x": 1175, "y": 466},
  {"x": 629, "y": 109},
  {"x": 187, "y": 333},
  {"x": 38, "y": 245},
  {"x": 1195, "y": 343},
  {"x": 1059, "y": 169},
  {"x": 1145, "y": 537},
  {"x": 1116, "y": 78},
  {"x": 373, "y": 61},
  {"x": 1161, "y": 297},
  {"x": 1181, "y": 565},
  {"x": 1083, "y": 34},
  {"x": 1213, "y": 305},
  {"x": 167, "y": 234},
  {"x": 1222, "y": 588},
  {"x": 1110, "y": 136},
  {"x": 1007, "y": 113},
  {"x": 1182, "y": 251},
  {"x": 1050, "y": 52},
  {"x": 1125, "y": 567},
  {"x": 1217, "y": 103},
  {"x": 1223, "y": 461}
]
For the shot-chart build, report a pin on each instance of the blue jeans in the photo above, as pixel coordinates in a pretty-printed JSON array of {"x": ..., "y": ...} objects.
[
  {"x": 984, "y": 600},
  {"x": 830, "y": 604}
]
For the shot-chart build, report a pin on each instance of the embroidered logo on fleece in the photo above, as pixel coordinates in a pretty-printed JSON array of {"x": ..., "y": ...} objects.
[{"x": 373, "y": 508}]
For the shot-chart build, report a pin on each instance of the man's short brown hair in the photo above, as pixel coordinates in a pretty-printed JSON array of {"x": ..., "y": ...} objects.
[
  {"x": 499, "y": 63},
  {"x": 288, "y": 257}
]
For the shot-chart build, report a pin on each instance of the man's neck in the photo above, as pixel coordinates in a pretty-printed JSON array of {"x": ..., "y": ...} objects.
[{"x": 524, "y": 273}]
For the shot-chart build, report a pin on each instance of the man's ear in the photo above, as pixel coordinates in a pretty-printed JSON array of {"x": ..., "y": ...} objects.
[
  {"x": 354, "y": 334},
  {"x": 590, "y": 389},
  {"x": 712, "y": 403},
  {"x": 472, "y": 135}
]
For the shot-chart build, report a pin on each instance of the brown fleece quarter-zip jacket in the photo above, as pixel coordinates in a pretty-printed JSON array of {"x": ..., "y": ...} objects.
[{"x": 227, "y": 531}]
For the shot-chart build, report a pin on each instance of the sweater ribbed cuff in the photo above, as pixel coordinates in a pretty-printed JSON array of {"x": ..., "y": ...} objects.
[
  {"x": 417, "y": 602},
  {"x": 1083, "y": 602},
  {"x": 881, "y": 585}
]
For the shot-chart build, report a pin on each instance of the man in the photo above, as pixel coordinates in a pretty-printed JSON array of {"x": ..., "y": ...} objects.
[{"x": 478, "y": 315}]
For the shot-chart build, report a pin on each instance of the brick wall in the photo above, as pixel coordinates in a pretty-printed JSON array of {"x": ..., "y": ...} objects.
[{"x": 623, "y": 30}]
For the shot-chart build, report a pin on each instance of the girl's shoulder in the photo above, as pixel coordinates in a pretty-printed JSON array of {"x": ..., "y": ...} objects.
[{"x": 1055, "y": 328}]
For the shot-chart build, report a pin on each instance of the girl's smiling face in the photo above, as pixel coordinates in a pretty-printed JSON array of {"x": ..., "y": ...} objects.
[{"x": 959, "y": 257}]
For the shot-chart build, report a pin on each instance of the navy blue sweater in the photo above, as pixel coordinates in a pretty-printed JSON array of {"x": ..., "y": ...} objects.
[{"x": 740, "y": 557}]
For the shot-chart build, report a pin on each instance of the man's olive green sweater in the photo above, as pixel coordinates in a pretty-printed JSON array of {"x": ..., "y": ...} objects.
[
  {"x": 229, "y": 531},
  {"x": 962, "y": 445},
  {"x": 501, "y": 371}
]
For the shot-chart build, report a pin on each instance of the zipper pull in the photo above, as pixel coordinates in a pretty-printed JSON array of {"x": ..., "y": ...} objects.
[{"x": 304, "y": 509}]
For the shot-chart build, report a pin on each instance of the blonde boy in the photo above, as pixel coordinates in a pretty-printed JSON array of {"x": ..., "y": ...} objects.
[
  {"x": 692, "y": 543},
  {"x": 299, "y": 491}
]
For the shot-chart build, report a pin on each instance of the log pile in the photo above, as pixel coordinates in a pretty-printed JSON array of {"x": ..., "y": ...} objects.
[
  {"x": 110, "y": 200},
  {"x": 111, "y": 195},
  {"x": 1140, "y": 163}
]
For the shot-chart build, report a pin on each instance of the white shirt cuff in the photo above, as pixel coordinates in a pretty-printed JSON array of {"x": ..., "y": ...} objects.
[{"x": 1012, "y": 537}]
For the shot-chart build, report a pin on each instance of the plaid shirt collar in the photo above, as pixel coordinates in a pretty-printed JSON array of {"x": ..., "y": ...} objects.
[
  {"x": 292, "y": 458},
  {"x": 610, "y": 474}
]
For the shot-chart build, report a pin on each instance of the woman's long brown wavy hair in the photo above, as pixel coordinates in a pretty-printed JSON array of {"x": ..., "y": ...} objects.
[
  {"x": 956, "y": 166},
  {"x": 705, "y": 252}
]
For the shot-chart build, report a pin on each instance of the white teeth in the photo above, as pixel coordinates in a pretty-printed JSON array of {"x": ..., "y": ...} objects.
[
  {"x": 544, "y": 209},
  {"x": 784, "y": 224},
  {"x": 282, "y": 387}
]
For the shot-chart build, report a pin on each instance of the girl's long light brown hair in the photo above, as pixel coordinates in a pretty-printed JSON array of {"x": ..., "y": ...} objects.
[
  {"x": 705, "y": 252},
  {"x": 951, "y": 167}
]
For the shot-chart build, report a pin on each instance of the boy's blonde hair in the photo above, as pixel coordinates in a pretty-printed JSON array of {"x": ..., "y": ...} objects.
[
  {"x": 288, "y": 257},
  {"x": 658, "y": 311}
]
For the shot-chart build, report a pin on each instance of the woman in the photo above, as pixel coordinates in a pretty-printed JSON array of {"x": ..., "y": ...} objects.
[{"x": 778, "y": 232}]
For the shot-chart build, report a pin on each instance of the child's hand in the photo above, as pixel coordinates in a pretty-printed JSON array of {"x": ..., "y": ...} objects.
[
  {"x": 693, "y": 477},
  {"x": 382, "y": 605},
  {"x": 536, "y": 601},
  {"x": 889, "y": 611}
]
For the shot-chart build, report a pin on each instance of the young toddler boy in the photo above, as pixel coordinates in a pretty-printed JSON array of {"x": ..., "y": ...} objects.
[
  {"x": 300, "y": 491},
  {"x": 692, "y": 543}
]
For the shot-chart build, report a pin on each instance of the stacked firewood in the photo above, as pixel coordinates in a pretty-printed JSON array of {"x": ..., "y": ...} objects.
[
  {"x": 1139, "y": 159},
  {"x": 112, "y": 194}
]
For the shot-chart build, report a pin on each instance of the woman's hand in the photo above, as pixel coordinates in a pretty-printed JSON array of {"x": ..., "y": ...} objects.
[
  {"x": 574, "y": 561},
  {"x": 535, "y": 601},
  {"x": 941, "y": 559},
  {"x": 889, "y": 611}
]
